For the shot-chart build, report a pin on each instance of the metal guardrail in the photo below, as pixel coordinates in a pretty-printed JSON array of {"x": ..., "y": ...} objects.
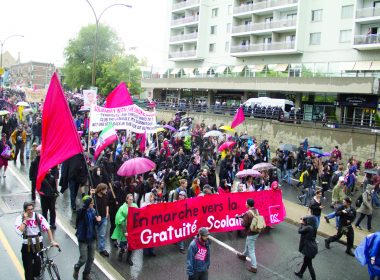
[
  {"x": 367, "y": 39},
  {"x": 368, "y": 12},
  {"x": 256, "y": 26},
  {"x": 262, "y": 5},
  {"x": 330, "y": 121},
  {"x": 184, "y": 4},
  {"x": 275, "y": 46}
]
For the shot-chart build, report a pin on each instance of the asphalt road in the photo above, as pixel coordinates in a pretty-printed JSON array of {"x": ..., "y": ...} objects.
[{"x": 277, "y": 250}]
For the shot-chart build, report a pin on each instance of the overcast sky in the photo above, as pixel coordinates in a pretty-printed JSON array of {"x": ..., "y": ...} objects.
[{"x": 47, "y": 25}]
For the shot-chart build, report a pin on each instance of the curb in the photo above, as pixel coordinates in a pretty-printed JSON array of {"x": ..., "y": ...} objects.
[{"x": 320, "y": 233}]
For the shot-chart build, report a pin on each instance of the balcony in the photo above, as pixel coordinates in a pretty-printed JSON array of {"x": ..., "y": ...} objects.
[
  {"x": 256, "y": 6},
  {"x": 264, "y": 26},
  {"x": 367, "y": 42},
  {"x": 184, "y": 37},
  {"x": 184, "y": 55},
  {"x": 366, "y": 14},
  {"x": 184, "y": 4},
  {"x": 184, "y": 20},
  {"x": 263, "y": 49}
]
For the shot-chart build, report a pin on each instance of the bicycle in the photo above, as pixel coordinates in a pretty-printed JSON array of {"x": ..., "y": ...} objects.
[{"x": 48, "y": 264}]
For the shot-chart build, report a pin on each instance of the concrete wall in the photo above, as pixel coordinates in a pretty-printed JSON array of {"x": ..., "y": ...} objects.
[{"x": 361, "y": 144}]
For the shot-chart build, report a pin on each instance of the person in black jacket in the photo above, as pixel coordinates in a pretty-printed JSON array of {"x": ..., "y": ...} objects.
[
  {"x": 48, "y": 194},
  {"x": 33, "y": 170},
  {"x": 347, "y": 216},
  {"x": 308, "y": 246}
]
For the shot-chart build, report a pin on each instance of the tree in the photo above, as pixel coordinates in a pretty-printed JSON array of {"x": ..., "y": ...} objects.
[
  {"x": 79, "y": 54},
  {"x": 120, "y": 68}
]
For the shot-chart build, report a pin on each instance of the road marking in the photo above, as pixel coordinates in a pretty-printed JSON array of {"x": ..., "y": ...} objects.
[
  {"x": 67, "y": 231},
  {"x": 11, "y": 254},
  {"x": 228, "y": 247}
]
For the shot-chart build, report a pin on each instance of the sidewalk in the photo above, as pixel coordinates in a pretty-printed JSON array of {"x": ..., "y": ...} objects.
[{"x": 295, "y": 211}]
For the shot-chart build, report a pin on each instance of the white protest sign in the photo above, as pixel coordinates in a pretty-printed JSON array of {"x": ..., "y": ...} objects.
[
  {"x": 89, "y": 98},
  {"x": 130, "y": 117}
]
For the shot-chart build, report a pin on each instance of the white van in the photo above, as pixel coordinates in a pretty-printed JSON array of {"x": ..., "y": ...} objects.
[{"x": 285, "y": 104}]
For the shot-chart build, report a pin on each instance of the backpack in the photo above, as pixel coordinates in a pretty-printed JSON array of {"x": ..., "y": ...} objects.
[
  {"x": 335, "y": 178},
  {"x": 257, "y": 223},
  {"x": 301, "y": 177},
  {"x": 359, "y": 201},
  {"x": 7, "y": 152}
]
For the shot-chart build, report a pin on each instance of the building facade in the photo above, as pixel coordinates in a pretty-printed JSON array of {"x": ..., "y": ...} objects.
[
  {"x": 323, "y": 54},
  {"x": 31, "y": 74}
]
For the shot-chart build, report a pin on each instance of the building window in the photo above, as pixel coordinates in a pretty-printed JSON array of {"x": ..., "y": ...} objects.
[
  {"x": 315, "y": 38},
  {"x": 211, "y": 48},
  {"x": 316, "y": 15},
  {"x": 345, "y": 36},
  {"x": 347, "y": 11},
  {"x": 228, "y": 29},
  {"x": 229, "y": 11},
  {"x": 227, "y": 47},
  {"x": 214, "y": 12},
  {"x": 213, "y": 30}
]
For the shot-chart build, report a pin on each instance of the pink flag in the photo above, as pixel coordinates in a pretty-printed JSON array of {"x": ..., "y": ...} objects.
[
  {"x": 60, "y": 139},
  {"x": 142, "y": 136},
  {"x": 119, "y": 97},
  {"x": 238, "y": 118}
]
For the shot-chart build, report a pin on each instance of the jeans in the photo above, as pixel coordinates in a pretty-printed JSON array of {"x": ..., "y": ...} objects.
[
  {"x": 249, "y": 249},
  {"x": 333, "y": 215},
  {"x": 307, "y": 196},
  {"x": 288, "y": 176},
  {"x": 375, "y": 200},
  {"x": 101, "y": 231},
  {"x": 20, "y": 149},
  {"x": 318, "y": 220},
  {"x": 86, "y": 256},
  {"x": 27, "y": 148},
  {"x": 369, "y": 220},
  {"x": 74, "y": 187}
]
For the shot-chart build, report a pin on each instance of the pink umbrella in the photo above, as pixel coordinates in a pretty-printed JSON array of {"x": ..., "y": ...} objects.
[
  {"x": 226, "y": 145},
  {"x": 136, "y": 166},
  {"x": 248, "y": 172}
]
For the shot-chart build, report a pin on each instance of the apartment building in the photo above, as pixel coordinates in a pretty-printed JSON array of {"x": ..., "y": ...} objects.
[
  {"x": 31, "y": 74},
  {"x": 323, "y": 54}
]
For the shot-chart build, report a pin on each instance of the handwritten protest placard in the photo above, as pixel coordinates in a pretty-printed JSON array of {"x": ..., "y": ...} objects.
[
  {"x": 166, "y": 223},
  {"x": 130, "y": 117}
]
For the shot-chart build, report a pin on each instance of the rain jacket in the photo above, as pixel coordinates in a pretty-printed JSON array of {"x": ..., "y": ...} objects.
[
  {"x": 198, "y": 257},
  {"x": 121, "y": 222},
  {"x": 370, "y": 247}
]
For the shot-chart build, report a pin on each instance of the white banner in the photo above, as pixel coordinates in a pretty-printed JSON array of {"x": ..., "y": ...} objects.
[
  {"x": 89, "y": 97},
  {"x": 129, "y": 117}
]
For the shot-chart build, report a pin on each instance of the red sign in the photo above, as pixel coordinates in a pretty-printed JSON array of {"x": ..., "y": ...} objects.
[{"x": 167, "y": 223}]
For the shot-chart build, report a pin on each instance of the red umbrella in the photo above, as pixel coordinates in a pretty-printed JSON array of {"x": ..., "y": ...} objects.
[
  {"x": 136, "y": 166},
  {"x": 248, "y": 172},
  {"x": 226, "y": 146}
]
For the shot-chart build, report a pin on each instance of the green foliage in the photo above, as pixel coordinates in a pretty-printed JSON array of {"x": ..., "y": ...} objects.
[
  {"x": 120, "y": 68},
  {"x": 79, "y": 54}
]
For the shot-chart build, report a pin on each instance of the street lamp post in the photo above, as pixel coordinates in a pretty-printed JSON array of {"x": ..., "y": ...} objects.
[
  {"x": 97, "y": 19},
  {"x": 1, "y": 55}
]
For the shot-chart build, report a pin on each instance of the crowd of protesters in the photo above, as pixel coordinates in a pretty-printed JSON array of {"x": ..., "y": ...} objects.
[{"x": 188, "y": 165}]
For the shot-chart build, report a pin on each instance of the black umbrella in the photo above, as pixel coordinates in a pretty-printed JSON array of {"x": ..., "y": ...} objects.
[
  {"x": 246, "y": 137},
  {"x": 181, "y": 113}
]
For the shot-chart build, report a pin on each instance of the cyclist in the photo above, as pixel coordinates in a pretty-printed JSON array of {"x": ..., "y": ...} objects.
[{"x": 30, "y": 226}]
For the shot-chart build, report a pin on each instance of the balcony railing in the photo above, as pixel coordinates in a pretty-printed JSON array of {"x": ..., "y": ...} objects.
[
  {"x": 263, "y": 47},
  {"x": 263, "y": 26},
  {"x": 184, "y": 4},
  {"x": 184, "y": 37},
  {"x": 183, "y": 54},
  {"x": 367, "y": 39},
  {"x": 368, "y": 12},
  {"x": 262, "y": 5},
  {"x": 185, "y": 20}
]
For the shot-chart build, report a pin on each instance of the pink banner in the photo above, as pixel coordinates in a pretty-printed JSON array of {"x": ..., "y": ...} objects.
[{"x": 167, "y": 223}]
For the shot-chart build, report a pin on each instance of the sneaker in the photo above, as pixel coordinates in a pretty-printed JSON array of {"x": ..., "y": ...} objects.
[
  {"x": 251, "y": 269},
  {"x": 241, "y": 256},
  {"x": 327, "y": 219},
  {"x": 76, "y": 273},
  {"x": 349, "y": 252},
  {"x": 327, "y": 244},
  {"x": 298, "y": 274},
  {"x": 104, "y": 253}
]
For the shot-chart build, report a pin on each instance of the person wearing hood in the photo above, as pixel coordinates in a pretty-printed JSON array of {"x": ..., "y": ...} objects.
[
  {"x": 308, "y": 245},
  {"x": 85, "y": 224},
  {"x": 365, "y": 208},
  {"x": 368, "y": 253}
]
